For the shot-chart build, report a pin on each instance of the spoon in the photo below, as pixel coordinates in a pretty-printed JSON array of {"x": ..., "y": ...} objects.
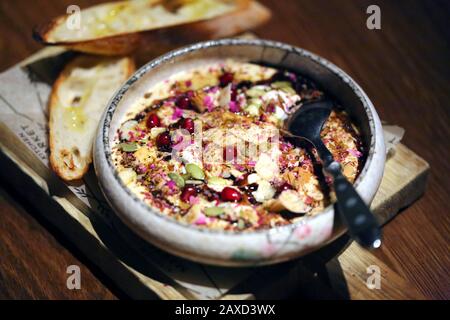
[{"x": 306, "y": 123}]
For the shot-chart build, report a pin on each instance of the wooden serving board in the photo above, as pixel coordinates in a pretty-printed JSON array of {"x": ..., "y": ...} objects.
[{"x": 142, "y": 271}]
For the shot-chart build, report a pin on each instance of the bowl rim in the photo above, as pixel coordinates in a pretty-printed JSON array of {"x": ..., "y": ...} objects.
[{"x": 104, "y": 128}]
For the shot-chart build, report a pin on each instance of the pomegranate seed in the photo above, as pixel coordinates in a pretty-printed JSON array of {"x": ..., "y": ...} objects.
[
  {"x": 226, "y": 78},
  {"x": 187, "y": 124},
  {"x": 183, "y": 102},
  {"x": 230, "y": 194},
  {"x": 263, "y": 117},
  {"x": 164, "y": 142},
  {"x": 285, "y": 186},
  {"x": 270, "y": 108},
  {"x": 233, "y": 93},
  {"x": 153, "y": 121},
  {"x": 188, "y": 192}
]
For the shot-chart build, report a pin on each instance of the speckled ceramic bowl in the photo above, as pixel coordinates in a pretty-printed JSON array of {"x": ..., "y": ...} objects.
[{"x": 233, "y": 248}]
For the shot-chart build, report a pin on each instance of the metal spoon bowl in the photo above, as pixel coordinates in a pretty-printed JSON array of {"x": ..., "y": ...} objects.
[{"x": 306, "y": 123}]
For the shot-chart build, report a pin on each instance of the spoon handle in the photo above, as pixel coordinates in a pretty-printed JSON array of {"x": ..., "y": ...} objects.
[{"x": 356, "y": 215}]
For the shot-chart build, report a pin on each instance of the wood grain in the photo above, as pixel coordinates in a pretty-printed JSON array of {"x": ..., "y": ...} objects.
[
  {"x": 34, "y": 264},
  {"x": 405, "y": 71}
]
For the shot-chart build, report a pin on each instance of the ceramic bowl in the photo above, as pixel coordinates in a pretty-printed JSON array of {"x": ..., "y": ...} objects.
[{"x": 224, "y": 247}]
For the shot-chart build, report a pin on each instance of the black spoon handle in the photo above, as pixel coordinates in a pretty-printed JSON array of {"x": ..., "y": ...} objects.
[{"x": 356, "y": 215}]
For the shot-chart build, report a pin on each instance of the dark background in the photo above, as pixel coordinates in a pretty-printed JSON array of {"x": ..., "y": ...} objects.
[{"x": 405, "y": 70}]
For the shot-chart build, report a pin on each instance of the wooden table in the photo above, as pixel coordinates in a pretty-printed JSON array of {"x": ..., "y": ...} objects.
[{"x": 404, "y": 68}]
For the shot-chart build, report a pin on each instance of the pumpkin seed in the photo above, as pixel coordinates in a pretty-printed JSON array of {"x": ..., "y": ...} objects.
[
  {"x": 177, "y": 179},
  {"x": 255, "y": 92},
  {"x": 241, "y": 224},
  {"x": 217, "y": 183},
  {"x": 195, "y": 171},
  {"x": 154, "y": 132},
  {"x": 214, "y": 211},
  {"x": 256, "y": 101},
  {"x": 289, "y": 90},
  {"x": 193, "y": 182},
  {"x": 186, "y": 176},
  {"x": 129, "y": 146},
  {"x": 281, "y": 84}
]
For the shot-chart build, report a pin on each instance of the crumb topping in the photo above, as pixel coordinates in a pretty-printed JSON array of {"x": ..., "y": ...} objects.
[{"x": 206, "y": 148}]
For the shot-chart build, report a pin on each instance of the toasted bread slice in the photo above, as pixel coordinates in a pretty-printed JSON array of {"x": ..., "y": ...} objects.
[
  {"x": 78, "y": 98},
  {"x": 121, "y": 27}
]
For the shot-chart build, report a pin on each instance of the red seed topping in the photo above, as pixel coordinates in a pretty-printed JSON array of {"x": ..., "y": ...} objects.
[
  {"x": 187, "y": 124},
  {"x": 226, "y": 78},
  {"x": 183, "y": 102},
  {"x": 230, "y": 194},
  {"x": 153, "y": 121},
  {"x": 164, "y": 142},
  {"x": 188, "y": 192},
  {"x": 270, "y": 108},
  {"x": 233, "y": 95},
  {"x": 285, "y": 186}
]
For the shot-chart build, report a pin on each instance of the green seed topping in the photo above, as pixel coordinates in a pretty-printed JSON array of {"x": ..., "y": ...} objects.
[
  {"x": 241, "y": 224},
  {"x": 255, "y": 92},
  {"x": 195, "y": 171},
  {"x": 177, "y": 179},
  {"x": 218, "y": 181},
  {"x": 285, "y": 86},
  {"x": 289, "y": 90},
  {"x": 129, "y": 146},
  {"x": 186, "y": 176},
  {"x": 257, "y": 102},
  {"x": 214, "y": 211},
  {"x": 193, "y": 182},
  {"x": 281, "y": 84}
]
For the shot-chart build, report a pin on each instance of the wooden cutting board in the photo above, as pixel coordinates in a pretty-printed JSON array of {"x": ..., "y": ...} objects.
[
  {"x": 336, "y": 271},
  {"x": 340, "y": 270}
]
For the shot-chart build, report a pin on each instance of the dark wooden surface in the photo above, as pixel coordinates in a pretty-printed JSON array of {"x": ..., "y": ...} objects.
[{"x": 404, "y": 68}]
